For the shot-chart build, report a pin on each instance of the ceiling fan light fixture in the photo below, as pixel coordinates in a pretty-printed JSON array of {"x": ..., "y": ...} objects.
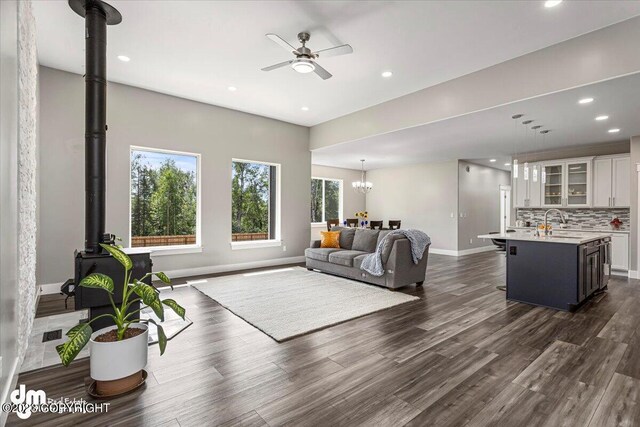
[{"x": 303, "y": 65}]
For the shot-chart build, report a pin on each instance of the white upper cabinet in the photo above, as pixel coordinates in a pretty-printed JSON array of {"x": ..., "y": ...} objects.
[
  {"x": 621, "y": 190},
  {"x": 578, "y": 184},
  {"x": 527, "y": 192},
  {"x": 567, "y": 183},
  {"x": 602, "y": 182},
  {"x": 553, "y": 185},
  {"x": 611, "y": 182}
]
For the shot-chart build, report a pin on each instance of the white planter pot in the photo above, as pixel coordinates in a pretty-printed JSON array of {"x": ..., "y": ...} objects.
[{"x": 115, "y": 360}]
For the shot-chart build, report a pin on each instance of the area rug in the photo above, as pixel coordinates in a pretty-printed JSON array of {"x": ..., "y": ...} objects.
[{"x": 290, "y": 302}]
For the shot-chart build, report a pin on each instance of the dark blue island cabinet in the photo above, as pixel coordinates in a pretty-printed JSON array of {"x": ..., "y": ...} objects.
[{"x": 557, "y": 275}]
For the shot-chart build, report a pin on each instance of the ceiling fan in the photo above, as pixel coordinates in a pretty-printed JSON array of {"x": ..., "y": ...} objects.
[{"x": 305, "y": 60}]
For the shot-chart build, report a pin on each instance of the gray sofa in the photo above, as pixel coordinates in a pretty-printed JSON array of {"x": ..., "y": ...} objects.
[{"x": 355, "y": 244}]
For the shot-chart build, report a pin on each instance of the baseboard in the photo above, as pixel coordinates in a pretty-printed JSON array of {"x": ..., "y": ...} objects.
[
  {"x": 481, "y": 249},
  {"x": 450, "y": 252},
  {"x": 632, "y": 274},
  {"x": 54, "y": 288},
  {"x": 50, "y": 288},
  {"x": 7, "y": 387},
  {"x": 213, "y": 269}
]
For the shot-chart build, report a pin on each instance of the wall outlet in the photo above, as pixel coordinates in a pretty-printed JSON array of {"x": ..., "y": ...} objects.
[
  {"x": 470, "y": 241},
  {"x": 284, "y": 248}
]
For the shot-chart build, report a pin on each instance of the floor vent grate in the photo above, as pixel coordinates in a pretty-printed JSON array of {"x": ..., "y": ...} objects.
[{"x": 52, "y": 335}]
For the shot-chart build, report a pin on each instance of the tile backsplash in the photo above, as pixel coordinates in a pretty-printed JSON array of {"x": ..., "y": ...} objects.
[{"x": 583, "y": 218}]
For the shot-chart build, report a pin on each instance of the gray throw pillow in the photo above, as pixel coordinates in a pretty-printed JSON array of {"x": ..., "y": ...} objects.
[
  {"x": 346, "y": 236},
  {"x": 365, "y": 240}
]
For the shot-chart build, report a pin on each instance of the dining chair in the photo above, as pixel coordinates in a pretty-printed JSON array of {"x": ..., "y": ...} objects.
[
  {"x": 352, "y": 222},
  {"x": 331, "y": 223},
  {"x": 376, "y": 225},
  {"x": 394, "y": 224}
]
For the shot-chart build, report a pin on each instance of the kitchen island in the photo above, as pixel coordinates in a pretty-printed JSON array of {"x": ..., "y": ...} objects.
[{"x": 559, "y": 271}]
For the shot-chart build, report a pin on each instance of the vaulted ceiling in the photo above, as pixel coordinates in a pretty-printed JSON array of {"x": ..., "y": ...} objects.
[{"x": 197, "y": 49}]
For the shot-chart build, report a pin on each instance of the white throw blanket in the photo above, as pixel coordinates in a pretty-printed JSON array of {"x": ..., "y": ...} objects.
[{"x": 372, "y": 263}]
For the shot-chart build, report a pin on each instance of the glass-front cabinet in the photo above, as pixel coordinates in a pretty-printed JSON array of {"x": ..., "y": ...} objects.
[
  {"x": 567, "y": 183},
  {"x": 578, "y": 182},
  {"x": 553, "y": 184}
]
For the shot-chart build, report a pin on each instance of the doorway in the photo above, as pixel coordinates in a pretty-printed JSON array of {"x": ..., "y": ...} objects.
[{"x": 505, "y": 207}]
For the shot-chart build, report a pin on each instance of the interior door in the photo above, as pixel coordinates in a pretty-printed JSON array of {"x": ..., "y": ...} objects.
[{"x": 553, "y": 186}]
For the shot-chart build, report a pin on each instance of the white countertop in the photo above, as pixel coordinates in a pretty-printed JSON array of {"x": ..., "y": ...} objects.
[
  {"x": 581, "y": 230},
  {"x": 570, "y": 237}
]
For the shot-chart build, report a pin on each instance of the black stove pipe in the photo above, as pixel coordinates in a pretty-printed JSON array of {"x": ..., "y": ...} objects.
[{"x": 98, "y": 15}]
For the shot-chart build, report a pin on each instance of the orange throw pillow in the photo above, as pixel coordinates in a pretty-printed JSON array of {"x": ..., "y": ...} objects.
[{"x": 330, "y": 239}]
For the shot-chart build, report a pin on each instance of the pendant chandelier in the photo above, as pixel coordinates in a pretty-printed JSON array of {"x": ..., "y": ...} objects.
[{"x": 362, "y": 186}]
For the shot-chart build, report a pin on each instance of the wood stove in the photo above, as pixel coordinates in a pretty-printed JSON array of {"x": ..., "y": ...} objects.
[{"x": 93, "y": 259}]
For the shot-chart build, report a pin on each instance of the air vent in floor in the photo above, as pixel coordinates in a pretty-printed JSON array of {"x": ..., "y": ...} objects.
[{"x": 52, "y": 335}]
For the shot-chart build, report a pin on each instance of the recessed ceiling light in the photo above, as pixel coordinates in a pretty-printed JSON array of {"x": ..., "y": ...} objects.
[
  {"x": 305, "y": 108},
  {"x": 552, "y": 3},
  {"x": 585, "y": 101},
  {"x": 492, "y": 160},
  {"x": 507, "y": 164},
  {"x": 387, "y": 74},
  {"x": 600, "y": 118},
  {"x": 614, "y": 130},
  {"x": 232, "y": 88},
  {"x": 124, "y": 58}
]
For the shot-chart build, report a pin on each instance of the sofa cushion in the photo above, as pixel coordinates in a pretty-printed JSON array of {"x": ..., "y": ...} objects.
[
  {"x": 344, "y": 257},
  {"x": 320, "y": 254},
  {"x": 365, "y": 240},
  {"x": 346, "y": 236},
  {"x": 357, "y": 261}
]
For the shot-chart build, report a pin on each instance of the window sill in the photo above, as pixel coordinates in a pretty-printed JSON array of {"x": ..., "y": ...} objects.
[
  {"x": 254, "y": 244},
  {"x": 167, "y": 250}
]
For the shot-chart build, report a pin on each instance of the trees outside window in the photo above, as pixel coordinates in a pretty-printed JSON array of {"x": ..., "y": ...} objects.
[
  {"x": 253, "y": 201},
  {"x": 326, "y": 196},
  {"x": 164, "y": 198}
]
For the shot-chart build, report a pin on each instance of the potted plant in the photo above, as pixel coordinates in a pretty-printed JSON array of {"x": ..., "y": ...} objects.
[{"x": 118, "y": 353}]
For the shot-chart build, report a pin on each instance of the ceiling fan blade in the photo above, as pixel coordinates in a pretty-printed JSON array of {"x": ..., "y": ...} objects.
[
  {"x": 322, "y": 72},
  {"x": 335, "y": 51},
  {"x": 273, "y": 67},
  {"x": 279, "y": 40}
]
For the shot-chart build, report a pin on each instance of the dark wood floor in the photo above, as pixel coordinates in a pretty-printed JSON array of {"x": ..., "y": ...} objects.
[{"x": 460, "y": 356}]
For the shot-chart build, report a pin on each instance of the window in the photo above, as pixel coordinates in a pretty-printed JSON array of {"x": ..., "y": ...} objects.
[
  {"x": 164, "y": 207},
  {"x": 254, "y": 203},
  {"x": 326, "y": 199}
]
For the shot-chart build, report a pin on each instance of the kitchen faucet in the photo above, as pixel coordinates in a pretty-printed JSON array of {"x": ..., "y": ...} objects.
[{"x": 545, "y": 218}]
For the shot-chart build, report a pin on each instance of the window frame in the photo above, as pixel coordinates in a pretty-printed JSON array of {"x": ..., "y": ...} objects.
[
  {"x": 172, "y": 249},
  {"x": 265, "y": 243},
  {"x": 340, "y": 203}
]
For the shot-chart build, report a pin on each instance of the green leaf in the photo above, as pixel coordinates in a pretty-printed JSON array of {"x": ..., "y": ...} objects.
[
  {"x": 158, "y": 309},
  {"x": 119, "y": 255},
  {"x": 162, "y": 337},
  {"x": 148, "y": 293},
  {"x": 160, "y": 275},
  {"x": 99, "y": 281},
  {"x": 180, "y": 311},
  {"x": 79, "y": 336}
]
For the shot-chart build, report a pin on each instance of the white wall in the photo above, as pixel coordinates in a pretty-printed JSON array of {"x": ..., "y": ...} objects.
[
  {"x": 144, "y": 118},
  {"x": 352, "y": 202},
  {"x": 423, "y": 196},
  {"x": 9, "y": 193},
  {"x": 18, "y": 183},
  {"x": 479, "y": 203}
]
